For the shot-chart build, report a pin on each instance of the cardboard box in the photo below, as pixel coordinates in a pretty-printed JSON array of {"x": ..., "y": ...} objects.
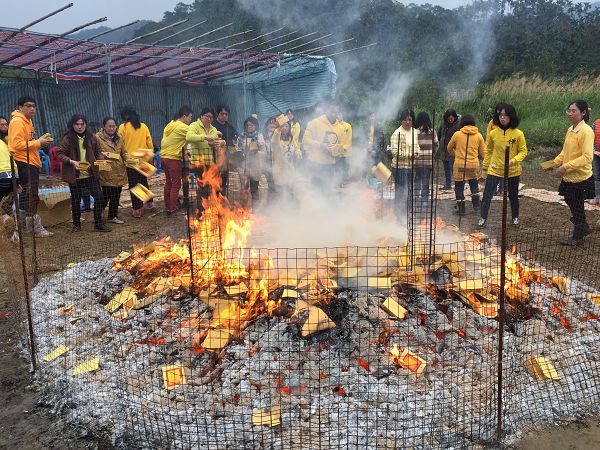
[{"x": 55, "y": 205}]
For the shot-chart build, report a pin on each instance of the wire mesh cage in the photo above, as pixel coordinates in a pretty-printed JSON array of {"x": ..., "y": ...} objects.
[{"x": 172, "y": 332}]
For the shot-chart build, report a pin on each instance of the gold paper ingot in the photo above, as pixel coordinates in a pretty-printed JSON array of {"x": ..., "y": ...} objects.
[
  {"x": 281, "y": 119},
  {"x": 290, "y": 293},
  {"x": 594, "y": 297},
  {"x": 142, "y": 192},
  {"x": 117, "y": 301},
  {"x": 317, "y": 320},
  {"x": 216, "y": 339},
  {"x": 173, "y": 376},
  {"x": 541, "y": 368},
  {"x": 90, "y": 365},
  {"x": 145, "y": 168},
  {"x": 411, "y": 361},
  {"x": 58, "y": 351},
  {"x": 471, "y": 285},
  {"x": 236, "y": 289},
  {"x": 547, "y": 165},
  {"x": 379, "y": 283},
  {"x": 381, "y": 172},
  {"x": 269, "y": 418},
  {"x": 561, "y": 283},
  {"x": 145, "y": 153},
  {"x": 393, "y": 308},
  {"x": 84, "y": 165},
  {"x": 112, "y": 155},
  {"x": 122, "y": 257}
]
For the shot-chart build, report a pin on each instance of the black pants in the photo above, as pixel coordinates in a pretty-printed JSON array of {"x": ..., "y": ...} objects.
[
  {"x": 134, "y": 178},
  {"x": 459, "y": 188},
  {"x": 95, "y": 190},
  {"x": 202, "y": 191},
  {"x": 29, "y": 177},
  {"x": 224, "y": 181},
  {"x": 112, "y": 196},
  {"x": 6, "y": 187},
  {"x": 254, "y": 188},
  {"x": 491, "y": 184}
]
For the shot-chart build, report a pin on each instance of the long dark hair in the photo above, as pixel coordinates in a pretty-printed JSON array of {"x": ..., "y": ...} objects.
[
  {"x": 129, "y": 114},
  {"x": 423, "y": 121},
  {"x": 71, "y": 135},
  {"x": 448, "y": 113}
]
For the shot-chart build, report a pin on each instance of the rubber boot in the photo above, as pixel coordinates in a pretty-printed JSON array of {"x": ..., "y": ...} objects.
[
  {"x": 460, "y": 204},
  {"x": 39, "y": 229},
  {"x": 476, "y": 202}
]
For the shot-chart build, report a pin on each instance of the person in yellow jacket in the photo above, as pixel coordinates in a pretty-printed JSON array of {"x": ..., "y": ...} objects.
[
  {"x": 507, "y": 135},
  {"x": 172, "y": 148},
  {"x": 286, "y": 152},
  {"x": 6, "y": 184},
  {"x": 322, "y": 143},
  {"x": 25, "y": 151},
  {"x": 466, "y": 147},
  {"x": 135, "y": 135},
  {"x": 345, "y": 150},
  {"x": 491, "y": 126},
  {"x": 574, "y": 166},
  {"x": 206, "y": 148}
]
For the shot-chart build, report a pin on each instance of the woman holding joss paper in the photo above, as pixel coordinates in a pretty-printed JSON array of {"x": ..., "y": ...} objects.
[
  {"x": 574, "y": 166},
  {"x": 136, "y": 137},
  {"x": 505, "y": 135},
  {"x": 113, "y": 173},
  {"x": 78, "y": 150}
]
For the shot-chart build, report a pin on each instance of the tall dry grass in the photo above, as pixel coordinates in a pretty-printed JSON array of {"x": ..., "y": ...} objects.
[{"x": 541, "y": 104}]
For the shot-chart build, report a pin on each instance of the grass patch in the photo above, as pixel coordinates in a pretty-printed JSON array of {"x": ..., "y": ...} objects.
[{"x": 541, "y": 105}]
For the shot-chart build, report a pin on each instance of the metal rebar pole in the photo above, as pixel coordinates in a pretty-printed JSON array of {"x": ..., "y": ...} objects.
[
  {"x": 109, "y": 81},
  {"x": 24, "y": 269},
  {"x": 152, "y": 33},
  {"x": 502, "y": 296},
  {"x": 430, "y": 199},
  {"x": 185, "y": 172}
]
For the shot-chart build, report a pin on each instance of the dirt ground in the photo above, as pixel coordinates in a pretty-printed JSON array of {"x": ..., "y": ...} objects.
[{"x": 26, "y": 423}]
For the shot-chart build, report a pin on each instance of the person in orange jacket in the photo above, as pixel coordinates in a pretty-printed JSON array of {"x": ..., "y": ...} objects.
[{"x": 24, "y": 148}]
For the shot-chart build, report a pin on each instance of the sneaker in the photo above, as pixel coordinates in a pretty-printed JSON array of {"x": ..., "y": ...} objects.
[
  {"x": 137, "y": 213},
  {"x": 101, "y": 228},
  {"x": 116, "y": 220},
  {"x": 515, "y": 222},
  {"x": 76, "y": 228},
  {"x": 481, "y": 222},
  {"x": 15, "y": 237},
  {"x": 149, "y": 205}
]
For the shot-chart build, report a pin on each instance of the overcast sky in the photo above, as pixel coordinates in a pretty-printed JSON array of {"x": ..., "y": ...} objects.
[{"x": 16, "y": 14}]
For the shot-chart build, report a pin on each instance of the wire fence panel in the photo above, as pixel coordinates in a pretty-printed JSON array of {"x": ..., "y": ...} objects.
[{"x": 171, "y": 331}]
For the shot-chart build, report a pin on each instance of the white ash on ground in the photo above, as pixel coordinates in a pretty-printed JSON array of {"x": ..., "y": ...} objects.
[{"x": 337, "y": 388}]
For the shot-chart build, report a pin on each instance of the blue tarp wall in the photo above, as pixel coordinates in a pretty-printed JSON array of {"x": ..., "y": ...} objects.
[{"x": 295, "y": 86}]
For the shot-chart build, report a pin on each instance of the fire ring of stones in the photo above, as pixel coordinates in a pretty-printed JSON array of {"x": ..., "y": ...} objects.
[{"x": 336, "y": 355}]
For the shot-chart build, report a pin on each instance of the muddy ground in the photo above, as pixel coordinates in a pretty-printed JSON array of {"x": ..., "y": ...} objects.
[{"x": 26, "y": 423}]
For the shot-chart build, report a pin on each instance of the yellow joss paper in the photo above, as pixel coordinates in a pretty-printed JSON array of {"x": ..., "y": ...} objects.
[
  {"x": 116, "y": 302},
  {"x": 90, "y": 365},
  {"x": 173, "y": 376},
  {"x": 58, "y": 351},
  {"x": 269, "y": 418}
]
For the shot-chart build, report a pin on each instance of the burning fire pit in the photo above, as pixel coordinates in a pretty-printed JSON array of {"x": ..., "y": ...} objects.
[{"x": 208, "y": 344}]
